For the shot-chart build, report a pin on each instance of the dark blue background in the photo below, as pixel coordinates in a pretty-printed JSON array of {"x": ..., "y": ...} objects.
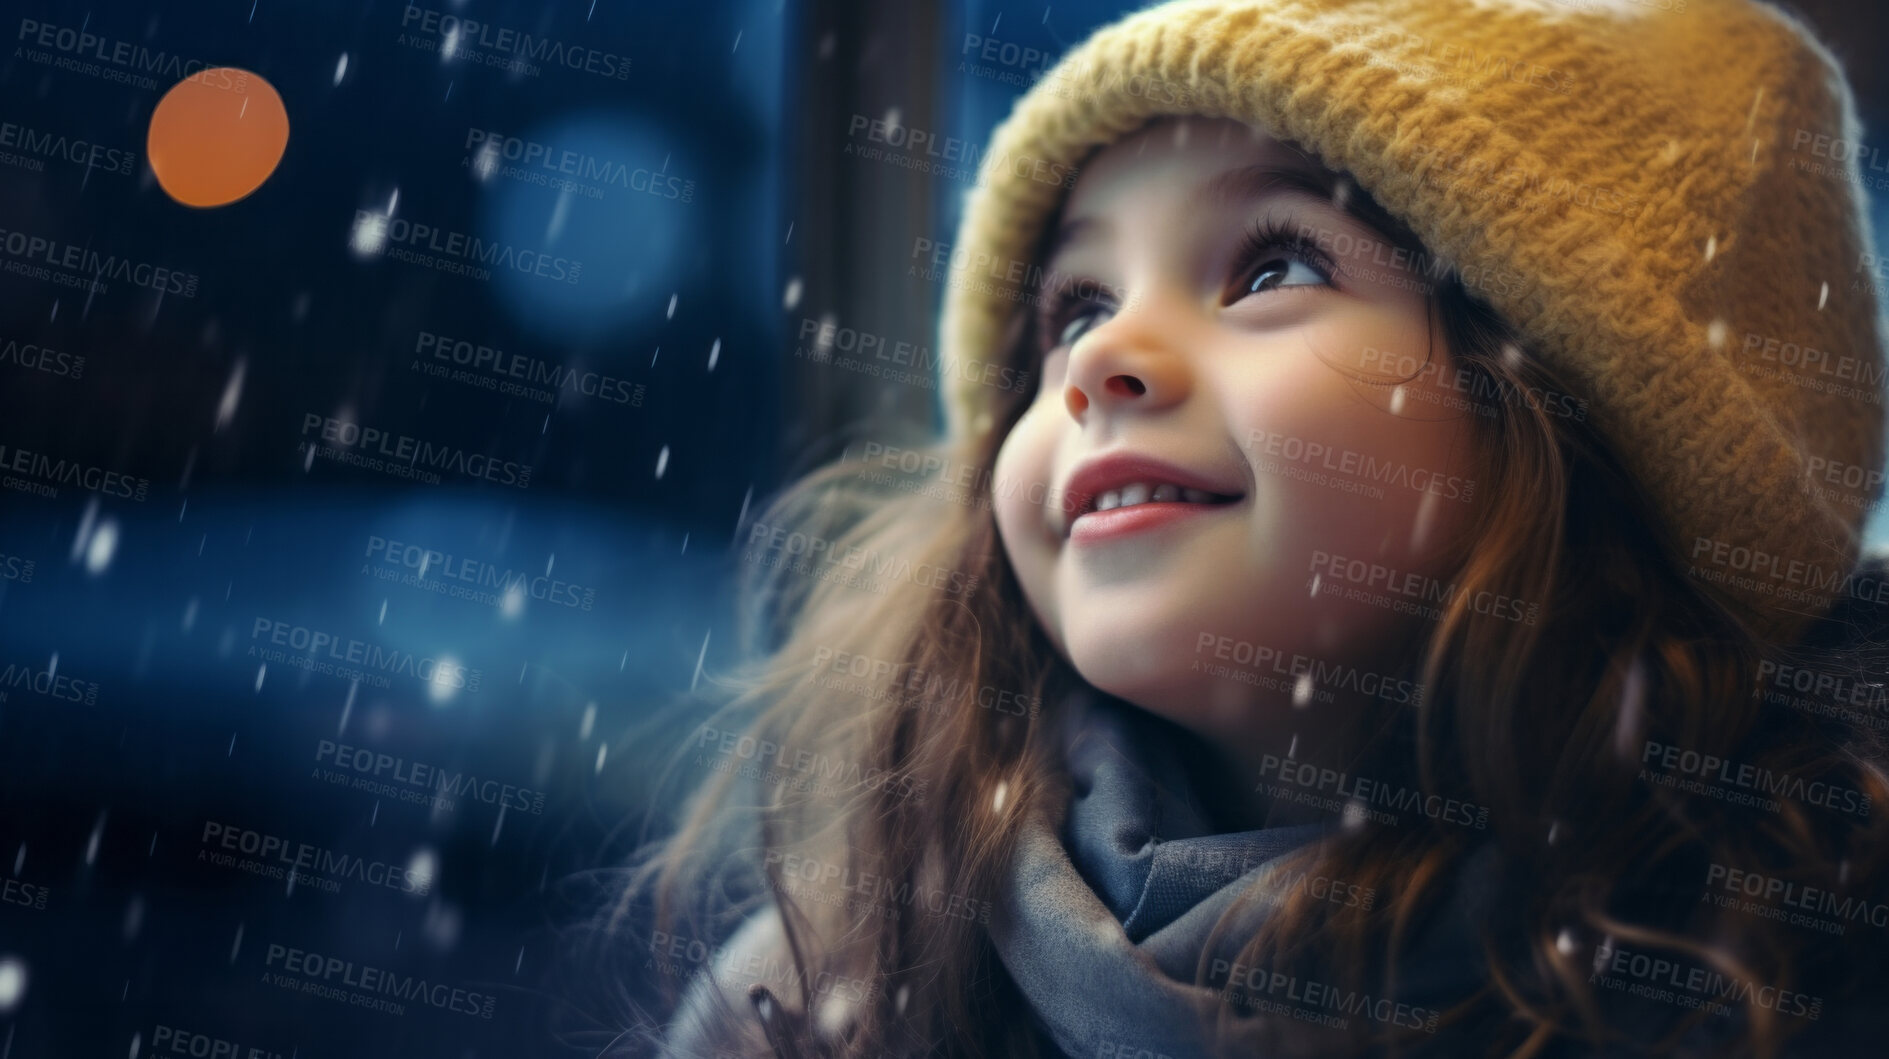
[{"x": 105, "y": 801}]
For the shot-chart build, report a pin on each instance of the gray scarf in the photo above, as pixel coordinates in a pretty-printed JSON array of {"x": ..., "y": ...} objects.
[{"x": 1107, "y": 910}]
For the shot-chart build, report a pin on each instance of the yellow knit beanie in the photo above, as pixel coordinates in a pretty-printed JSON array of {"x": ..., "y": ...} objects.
[{"x": 1659, "y": 195}]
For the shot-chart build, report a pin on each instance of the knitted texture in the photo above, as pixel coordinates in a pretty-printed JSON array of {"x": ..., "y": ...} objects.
[{"x": 1659, "y": 195}]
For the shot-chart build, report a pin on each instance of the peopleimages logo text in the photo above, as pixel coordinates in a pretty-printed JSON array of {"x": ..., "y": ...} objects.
[
  {"x": 80, "y": 152},
  {"x": 495, "y": 149},
  {"x": 414, "y": 452},
  {"x": 25, "y": 246},
  {"x": 304, "y": 859},
  {"x": 377, "y": 982},
  {"x": 378, "y": 765},
  {"x": 47, "y": 682},
  {"x": 42, "y": 469},
  {"x": 531, "y": 370},
  {"x": 124, "y": 54},
  {"x": 373, "y": 229},
  {"x": 318, "y": 643},
  {"x": 463, "y": 34},
  {"x": 446, "y": 566}
]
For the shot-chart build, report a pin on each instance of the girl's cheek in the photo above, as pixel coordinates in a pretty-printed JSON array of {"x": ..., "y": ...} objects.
[
  {"x": 1019, "y": 477},
  {"x": 1389, "y": 346},
  {"x": 1051, "y": 371},
  {"x": 1023, "y": 463}
]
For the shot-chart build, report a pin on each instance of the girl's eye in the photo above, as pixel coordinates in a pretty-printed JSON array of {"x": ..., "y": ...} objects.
[
  {"x": 1065, "y": 318},
  {"x": 1276, "y": 256},
  {"x": 1285, "y": 272},
  {"x": 1078, "y": 325}
]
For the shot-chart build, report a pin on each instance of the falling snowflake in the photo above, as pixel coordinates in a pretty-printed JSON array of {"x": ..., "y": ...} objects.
[
  {"x": 12, "y": 982},
  {"x": 1715, "y": 333},
  {"x": 1302, "y": 691},
  {"x": 102, "y": 547}
]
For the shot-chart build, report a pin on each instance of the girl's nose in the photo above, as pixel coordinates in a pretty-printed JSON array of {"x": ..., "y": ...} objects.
[{"x": 1131, "y": 362}]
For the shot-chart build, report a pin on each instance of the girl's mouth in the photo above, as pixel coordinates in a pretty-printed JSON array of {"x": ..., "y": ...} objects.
[
  {"x": 1127, "y": 492},
  {"x": 1141, "y": 506}
]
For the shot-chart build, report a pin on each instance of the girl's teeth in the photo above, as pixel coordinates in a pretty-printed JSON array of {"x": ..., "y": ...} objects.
[{"x": 1142, "y": 493}]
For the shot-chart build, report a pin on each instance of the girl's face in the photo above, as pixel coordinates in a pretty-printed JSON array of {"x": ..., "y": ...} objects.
[{"x": 1248, "y": 375}]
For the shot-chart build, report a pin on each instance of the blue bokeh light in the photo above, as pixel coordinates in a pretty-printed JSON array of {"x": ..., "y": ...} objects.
[{"x": 608, "y": 192}]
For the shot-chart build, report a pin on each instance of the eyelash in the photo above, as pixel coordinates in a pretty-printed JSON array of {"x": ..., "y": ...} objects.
[
  {"x": 1273, "y": 236},
  {"x": 1266, "y": 241}
]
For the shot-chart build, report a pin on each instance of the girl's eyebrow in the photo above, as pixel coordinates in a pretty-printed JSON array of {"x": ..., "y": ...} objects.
[
  {"x": 1236, "y": 187},
  {"x": 1068, "y": 234},
  {"x": 1229, "y": 190}
]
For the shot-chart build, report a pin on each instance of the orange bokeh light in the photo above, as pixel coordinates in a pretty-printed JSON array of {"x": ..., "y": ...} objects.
[{"x": 216, "y": 136}]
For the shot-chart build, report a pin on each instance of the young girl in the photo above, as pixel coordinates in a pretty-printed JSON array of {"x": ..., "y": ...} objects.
[{"x": 1412, "y": 608}]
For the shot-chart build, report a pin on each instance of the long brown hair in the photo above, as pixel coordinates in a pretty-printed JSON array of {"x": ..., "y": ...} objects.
[{"x": 885, "y": 678}]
